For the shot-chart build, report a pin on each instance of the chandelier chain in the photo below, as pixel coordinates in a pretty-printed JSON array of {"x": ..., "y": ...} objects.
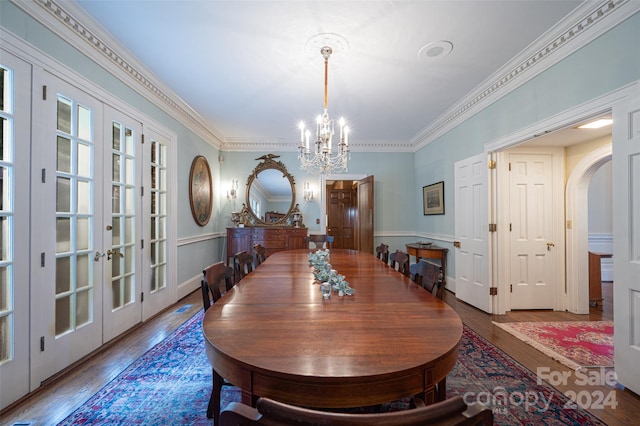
[{"x": 323, "y": 159}]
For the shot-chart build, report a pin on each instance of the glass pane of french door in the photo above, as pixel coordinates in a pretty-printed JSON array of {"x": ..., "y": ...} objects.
[
  {"x": 123, "y": 220},
  {"x": 74, "y": 278},
  {"x": 158, "y": 216}
]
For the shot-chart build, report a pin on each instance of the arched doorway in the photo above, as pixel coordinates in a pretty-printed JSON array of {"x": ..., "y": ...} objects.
[{"x": 577, "y": 240}]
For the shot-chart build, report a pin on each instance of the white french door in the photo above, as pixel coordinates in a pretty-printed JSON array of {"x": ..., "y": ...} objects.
[
  {"x": 15, "y": 119},
  {"x": 157, "y": 229},
  {"x": 121, "y": 223},
  {"x": 472, "y": 232},
  {"x": 67, "y": 198},
  {"x": 626, "y": 238}
]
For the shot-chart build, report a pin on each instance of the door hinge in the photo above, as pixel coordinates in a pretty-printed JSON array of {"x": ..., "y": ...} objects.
[
  {"x": 142, "y": 297},
  {"x": 142, "y": 139},
  {"x": 493, "y": 291},
  {"x": 42, "y": 260},
  {"x": 492, "y": 164},
  {"x": 142, "y": 243},
  {"x": 44, "y": 93},
  {"x": 493, "y": 227},
  {"x": 510, "y": 227},
  {"x": 44, "y": 176},
  {"x": 42, "y": 344},
  {"x": 509, "y": 166},
  {"x": 142, "y": 191},
  {"x": 510, "y": 288}
]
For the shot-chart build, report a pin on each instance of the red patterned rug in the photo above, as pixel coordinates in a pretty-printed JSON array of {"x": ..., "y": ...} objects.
[{"x": 576, "y": 344}]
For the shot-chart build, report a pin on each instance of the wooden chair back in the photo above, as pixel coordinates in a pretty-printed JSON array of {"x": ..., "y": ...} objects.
[
  {"x": 382, "y": 253},
  {"x": 259, "y": 254},
  {"x": 319, "y": 240},
  {"x": 212, "y": 278},
  {"x": 453, "y": 411},
  {"x": 399, "y": 260},
  {"x": 429, "y": 276},
  {"x": 243, "y": 262}
]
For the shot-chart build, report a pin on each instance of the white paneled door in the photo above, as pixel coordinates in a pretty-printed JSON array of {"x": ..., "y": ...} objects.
[
  {"x": 472, "y": 232},
  {"x": 531, "y": 232},
  {"x": 626, "y": 237},
  {"x": 15, "y": 113}
]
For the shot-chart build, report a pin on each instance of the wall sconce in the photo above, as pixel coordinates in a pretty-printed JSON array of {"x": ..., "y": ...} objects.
[
  {"x": 308, "y": 192},
  {"x": 232, "y": 192}
]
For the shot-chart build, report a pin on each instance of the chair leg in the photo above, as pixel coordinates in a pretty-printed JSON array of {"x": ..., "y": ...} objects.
[{"x": 213, "y": 409}]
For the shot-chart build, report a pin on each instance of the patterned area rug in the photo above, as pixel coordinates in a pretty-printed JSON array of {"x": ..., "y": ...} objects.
[
  {"x": 576, "y": 344},
  {"x": 171, "y": 384}
]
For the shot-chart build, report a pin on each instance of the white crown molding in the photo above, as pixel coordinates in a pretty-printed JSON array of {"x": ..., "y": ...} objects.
[
  {"x": 67, "y": 20},
  {"x": 584, "y": 24},
  {"x": 266, "y": 144}
]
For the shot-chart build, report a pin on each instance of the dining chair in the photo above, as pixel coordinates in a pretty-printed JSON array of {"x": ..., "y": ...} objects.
[
  {"x": 319, "y": 240},
  {"x": 399, "y": 260},
  {"x": 243, "y": 264},
  {"x": 428, "y": 275},
  {"x": 382, "y": 253},
  {"x": 212, "y": 278},
  {"x": 259, "y": 253},
  {"x": 453, "y": 411}
]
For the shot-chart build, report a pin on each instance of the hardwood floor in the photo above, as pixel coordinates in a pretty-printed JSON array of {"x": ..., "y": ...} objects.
[{"x": 61, "y": 395}]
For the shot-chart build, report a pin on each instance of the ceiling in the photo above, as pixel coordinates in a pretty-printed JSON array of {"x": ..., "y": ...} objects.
[{"x": 252, "y": 69}]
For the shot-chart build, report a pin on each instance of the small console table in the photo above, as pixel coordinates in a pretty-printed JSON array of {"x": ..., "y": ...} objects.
[{"x": 429, "y": 251}]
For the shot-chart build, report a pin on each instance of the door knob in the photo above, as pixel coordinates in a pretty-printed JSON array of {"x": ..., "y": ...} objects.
[
  {"x": 549, "y": 245},
  {"x": 98, "y": 256},
  {"x": 456, "y": 244}
]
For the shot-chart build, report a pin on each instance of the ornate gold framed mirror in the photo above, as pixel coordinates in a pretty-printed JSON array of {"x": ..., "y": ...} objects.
[{"x": 271, "y": 194}]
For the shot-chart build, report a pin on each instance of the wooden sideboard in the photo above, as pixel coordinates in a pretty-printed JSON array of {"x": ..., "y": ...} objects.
[{"x": 272, "y": 238}]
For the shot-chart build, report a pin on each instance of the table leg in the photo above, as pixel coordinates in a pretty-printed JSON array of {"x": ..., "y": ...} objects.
[{"x": 213, "y": 409}]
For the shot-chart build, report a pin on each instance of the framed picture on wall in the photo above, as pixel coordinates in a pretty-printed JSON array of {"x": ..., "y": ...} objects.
[
  {"x": 200, "y": 190},
  {"x": 433, "y": 198}
]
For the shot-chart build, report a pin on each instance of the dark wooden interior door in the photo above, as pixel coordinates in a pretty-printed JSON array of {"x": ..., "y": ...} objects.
[
  {"x": 350, "y": 213},
  {"x": 341, "y": 213},
  {"x": 365, "y": 215}
]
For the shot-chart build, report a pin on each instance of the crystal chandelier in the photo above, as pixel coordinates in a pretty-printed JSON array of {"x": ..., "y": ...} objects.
[{"x": 325, "y": 157}]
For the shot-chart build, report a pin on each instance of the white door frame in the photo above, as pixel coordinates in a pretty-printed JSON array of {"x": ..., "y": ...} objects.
[
  {"x": 592, "y": 108},
  {"x": 577, "y": 236}
]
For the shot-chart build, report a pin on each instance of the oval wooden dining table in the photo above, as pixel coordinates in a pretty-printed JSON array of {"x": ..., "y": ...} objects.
[{"x": 273, "y": 335}]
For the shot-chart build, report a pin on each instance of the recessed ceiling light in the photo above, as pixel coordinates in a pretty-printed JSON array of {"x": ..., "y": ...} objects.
[
  {"x": 601, "y": 122},
  {"x": 435, "y": 49}
]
